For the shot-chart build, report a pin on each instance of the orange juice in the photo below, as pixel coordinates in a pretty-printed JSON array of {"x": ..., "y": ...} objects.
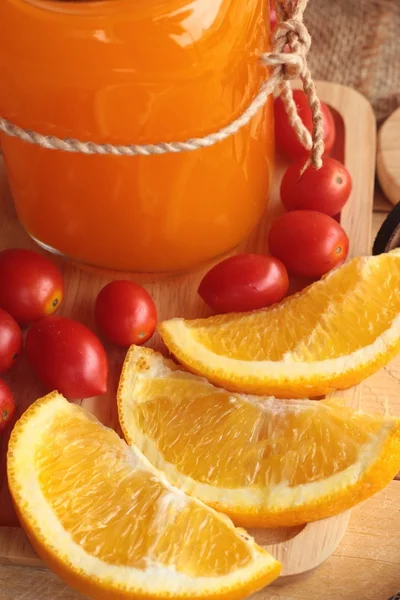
[{"x": 136, "y": 72}]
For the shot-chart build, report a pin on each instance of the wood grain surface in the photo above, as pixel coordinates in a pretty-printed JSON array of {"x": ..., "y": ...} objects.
[
  {"x": 388, "y": 157},
  {"x": 300, "y": 549}
]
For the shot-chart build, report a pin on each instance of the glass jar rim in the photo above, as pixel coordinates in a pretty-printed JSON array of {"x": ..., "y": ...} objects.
[{"x": 95, "y": 8}]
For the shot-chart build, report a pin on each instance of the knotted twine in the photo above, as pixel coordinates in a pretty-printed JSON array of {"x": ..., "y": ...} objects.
[{"x": 289, "y": 32}]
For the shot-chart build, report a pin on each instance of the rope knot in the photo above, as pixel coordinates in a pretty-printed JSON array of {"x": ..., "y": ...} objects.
[
  {"x": 292, "y": 33},
  {"x": 290, "y": 45}
]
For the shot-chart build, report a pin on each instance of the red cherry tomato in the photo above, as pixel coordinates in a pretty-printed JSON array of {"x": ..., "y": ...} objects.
[
  {"x": 125, "y": 313},
  {"x": 272, "y": 17},
  {"x": 10, "y": 341},
  {"x": 325, "y": 190},
  {"x": 66, "y": 356},
  {"x": 308, "y": 243},
  {"x": 31, "y": 286},
  {"x": 286, "y": 139},
  {"x": 244, "y": 282},
  {"x": 7, "y": 405}
]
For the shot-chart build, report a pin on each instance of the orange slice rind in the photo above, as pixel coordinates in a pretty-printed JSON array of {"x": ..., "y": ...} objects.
[
  {"x": 332, "y": 335},
  {"x": 262, "y": 461},
  {"x": 111, "y": 525}
]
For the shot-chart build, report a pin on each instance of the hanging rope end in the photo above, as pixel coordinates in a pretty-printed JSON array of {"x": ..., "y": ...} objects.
[{"x": 291, "y": 32}]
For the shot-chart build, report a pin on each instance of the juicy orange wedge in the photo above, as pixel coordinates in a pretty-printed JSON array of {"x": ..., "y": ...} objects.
[
  {"x": 262, "y": 461},
  {"x": 111, "y": 525},
  {"x": 330, "y": 336}
]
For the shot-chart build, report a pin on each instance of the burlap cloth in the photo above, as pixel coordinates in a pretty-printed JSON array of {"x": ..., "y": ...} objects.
[{"x": 357, "y": 43}]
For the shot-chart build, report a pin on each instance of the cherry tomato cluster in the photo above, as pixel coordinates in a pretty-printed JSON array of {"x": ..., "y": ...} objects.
[
  {"x": 306, "y": 241},
  {"x": 63, "y": 353},
  {"x": 309, "y": 239}
]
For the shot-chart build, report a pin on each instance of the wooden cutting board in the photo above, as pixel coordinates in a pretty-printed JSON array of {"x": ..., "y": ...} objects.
[
  {"x": 300, "y": 549},
  {"x": 388, "y": 157}
]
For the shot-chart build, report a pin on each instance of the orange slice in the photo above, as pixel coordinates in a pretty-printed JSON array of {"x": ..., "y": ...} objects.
[
  {"x": 111, "y": 525},
  {"x": 330, "y": 336},
  {"x": 262, "y": 461}
]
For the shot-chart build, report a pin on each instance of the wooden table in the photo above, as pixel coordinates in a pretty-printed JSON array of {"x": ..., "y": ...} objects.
[{"x": 366, "y": 565}]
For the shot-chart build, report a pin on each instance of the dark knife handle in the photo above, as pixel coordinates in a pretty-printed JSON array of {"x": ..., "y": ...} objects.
[{"x": 388, "y": 236}]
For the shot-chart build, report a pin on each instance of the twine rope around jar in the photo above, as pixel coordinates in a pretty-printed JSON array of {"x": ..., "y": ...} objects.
[{"x": 290, "y": 31}]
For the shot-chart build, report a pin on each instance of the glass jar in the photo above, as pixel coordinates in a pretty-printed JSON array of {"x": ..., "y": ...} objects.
[{"x": 136, "y": 72}]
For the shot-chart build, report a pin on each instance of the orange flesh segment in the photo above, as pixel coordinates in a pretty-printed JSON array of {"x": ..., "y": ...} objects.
[
  {"x": 220, "y": 439},
  {"x": 126, "y": 516}
]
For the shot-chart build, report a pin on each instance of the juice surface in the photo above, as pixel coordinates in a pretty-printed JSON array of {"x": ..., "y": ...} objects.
[{"x": 136, "y": 71}]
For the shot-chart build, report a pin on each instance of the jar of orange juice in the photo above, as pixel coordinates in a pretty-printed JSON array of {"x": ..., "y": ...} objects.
[{"x": 143, "y": 72}]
